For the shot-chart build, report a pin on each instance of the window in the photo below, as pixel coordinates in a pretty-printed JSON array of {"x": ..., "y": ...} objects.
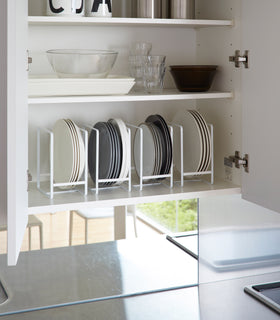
[{"x": 170, "y": 216}]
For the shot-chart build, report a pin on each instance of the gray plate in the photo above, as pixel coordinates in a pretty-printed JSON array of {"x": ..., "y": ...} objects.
[
  {"x": 106, "y": 152},
  {"x": 149, "y": 153}
]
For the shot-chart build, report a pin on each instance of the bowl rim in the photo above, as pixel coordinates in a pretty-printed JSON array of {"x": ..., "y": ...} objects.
[{"x": 81, "y": 51}]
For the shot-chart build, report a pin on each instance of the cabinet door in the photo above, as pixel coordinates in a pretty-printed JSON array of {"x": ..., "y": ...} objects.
[
  {"x": 13, "y": 122},
  {"x": 261, "y": 107}
]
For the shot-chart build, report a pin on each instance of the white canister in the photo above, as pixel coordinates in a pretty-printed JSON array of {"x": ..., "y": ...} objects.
[
  {"x": 99, "y": 8},
  {"x": 182, "y": 9},
  {"x": 65, "y": 7}
]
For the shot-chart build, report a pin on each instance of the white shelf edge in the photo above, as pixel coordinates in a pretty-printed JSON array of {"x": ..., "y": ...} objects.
[
  {"x": 192, "y": 23},
  {"x": 165, "y": 96},
  {"x": 38, "y": 203}
]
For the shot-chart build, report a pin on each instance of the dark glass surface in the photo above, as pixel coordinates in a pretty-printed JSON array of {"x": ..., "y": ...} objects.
[
  {"x": 270, "y": 290},
  {"x": 267, "y": 293}
]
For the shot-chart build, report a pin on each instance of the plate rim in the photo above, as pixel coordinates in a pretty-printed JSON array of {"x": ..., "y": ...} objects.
[
  {"x": 208, "y": 140},
  {"x": 183, "y": 112},
  {"x": 69, "y": 175}
]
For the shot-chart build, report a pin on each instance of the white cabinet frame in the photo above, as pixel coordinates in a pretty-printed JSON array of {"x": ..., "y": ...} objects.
[{"x": 13, "y": 122}]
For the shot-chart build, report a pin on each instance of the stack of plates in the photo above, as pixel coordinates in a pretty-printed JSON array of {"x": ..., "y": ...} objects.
[
  {"x": 197, "y": 142},
  {"x": 69, "y": 152},
  {"x": 157, "y": 147},
  {"x": 114, "y": 153}
]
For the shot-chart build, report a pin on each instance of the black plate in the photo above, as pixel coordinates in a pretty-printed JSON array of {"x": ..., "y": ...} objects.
[
  {"x": 117, "y": 152},
  {"x": 166, "y": 142},
  {"x": 106, "y": 152},
  {"x": 119, "y": 146},
  {"x": 159, "y": 142}
]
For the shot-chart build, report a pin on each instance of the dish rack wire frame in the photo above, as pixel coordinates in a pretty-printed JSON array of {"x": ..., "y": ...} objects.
[
  {"x": 50, "y": 194},
  {"x": 98, "y": 181},
  {"x": 142, "y": 178},
  {"x": 197, "y": 173}
]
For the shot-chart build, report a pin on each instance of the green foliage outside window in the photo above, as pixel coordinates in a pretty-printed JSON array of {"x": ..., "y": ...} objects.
[{"x": 164, "y": 213}]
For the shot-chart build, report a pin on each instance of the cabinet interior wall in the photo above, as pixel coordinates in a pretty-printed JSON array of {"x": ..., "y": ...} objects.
[{"x": 119, "y": 39}]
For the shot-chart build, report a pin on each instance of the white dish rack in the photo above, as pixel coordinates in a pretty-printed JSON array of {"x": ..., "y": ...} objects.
[
  {"x": 76, "y": 186},
  {"x": 196, "y": 173},
  {"x": 52, "y": 185}
]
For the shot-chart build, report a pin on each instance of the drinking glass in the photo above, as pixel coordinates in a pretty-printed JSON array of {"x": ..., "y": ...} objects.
[
  {"x": 140, "y": 48},
  {"x": 136, "y": 69},
  {"x": 153, "y": 73}
]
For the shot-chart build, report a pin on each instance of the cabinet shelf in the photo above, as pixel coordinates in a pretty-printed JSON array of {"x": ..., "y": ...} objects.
[
  {"x": 167, "y": 95},
  {"x": 188, "y": 23},
  {"x": 39, "y": 203}
]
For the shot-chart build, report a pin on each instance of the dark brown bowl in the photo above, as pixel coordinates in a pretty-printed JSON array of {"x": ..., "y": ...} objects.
[{"x": 193, "y": 78}]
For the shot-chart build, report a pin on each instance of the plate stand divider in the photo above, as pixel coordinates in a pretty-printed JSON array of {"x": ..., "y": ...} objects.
[
  {"x": 142, "y": 178},
  {"x": 97, "y": 180},
  {"x": 52, "y": 184},
  {"x": 197, "y": 173}
]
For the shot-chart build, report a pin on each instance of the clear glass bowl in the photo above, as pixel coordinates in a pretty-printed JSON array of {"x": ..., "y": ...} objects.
[{"x": 76, "y": 63}]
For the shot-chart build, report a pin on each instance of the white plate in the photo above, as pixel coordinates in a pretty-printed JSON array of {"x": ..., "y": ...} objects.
[
  {"x": 207, "y": 141},
  {"x": 148, "y": 150},
  {"x": 50, "y": 85},
  {"x": 76, "y": 149},
  {"x": 203, "y": 139},
  {"x": 192, "y": 142},
  {"x": 205, "y": 147},
  {"x": 80, "y": 151},
  {"x": 64, "y": 155}
]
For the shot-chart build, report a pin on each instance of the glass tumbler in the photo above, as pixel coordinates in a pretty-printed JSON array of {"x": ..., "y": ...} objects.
[
  {"x": 153, "y": 74},
  {"x": 136, "y": 69},
  {"x": 140, "y": 48}
]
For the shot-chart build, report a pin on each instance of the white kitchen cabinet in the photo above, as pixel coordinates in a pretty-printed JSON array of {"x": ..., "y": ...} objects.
[{"x": 199, "y": 41}]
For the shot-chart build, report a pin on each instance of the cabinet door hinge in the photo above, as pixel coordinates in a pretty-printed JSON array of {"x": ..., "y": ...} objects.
[
  {"x": 238, "y": 161},
  {"x": 238, "y": 59}
]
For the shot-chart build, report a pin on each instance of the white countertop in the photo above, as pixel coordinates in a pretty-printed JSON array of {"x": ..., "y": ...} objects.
[
  {"x": 226, "y": 300},
  {"x": 223, "y": 300}
]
